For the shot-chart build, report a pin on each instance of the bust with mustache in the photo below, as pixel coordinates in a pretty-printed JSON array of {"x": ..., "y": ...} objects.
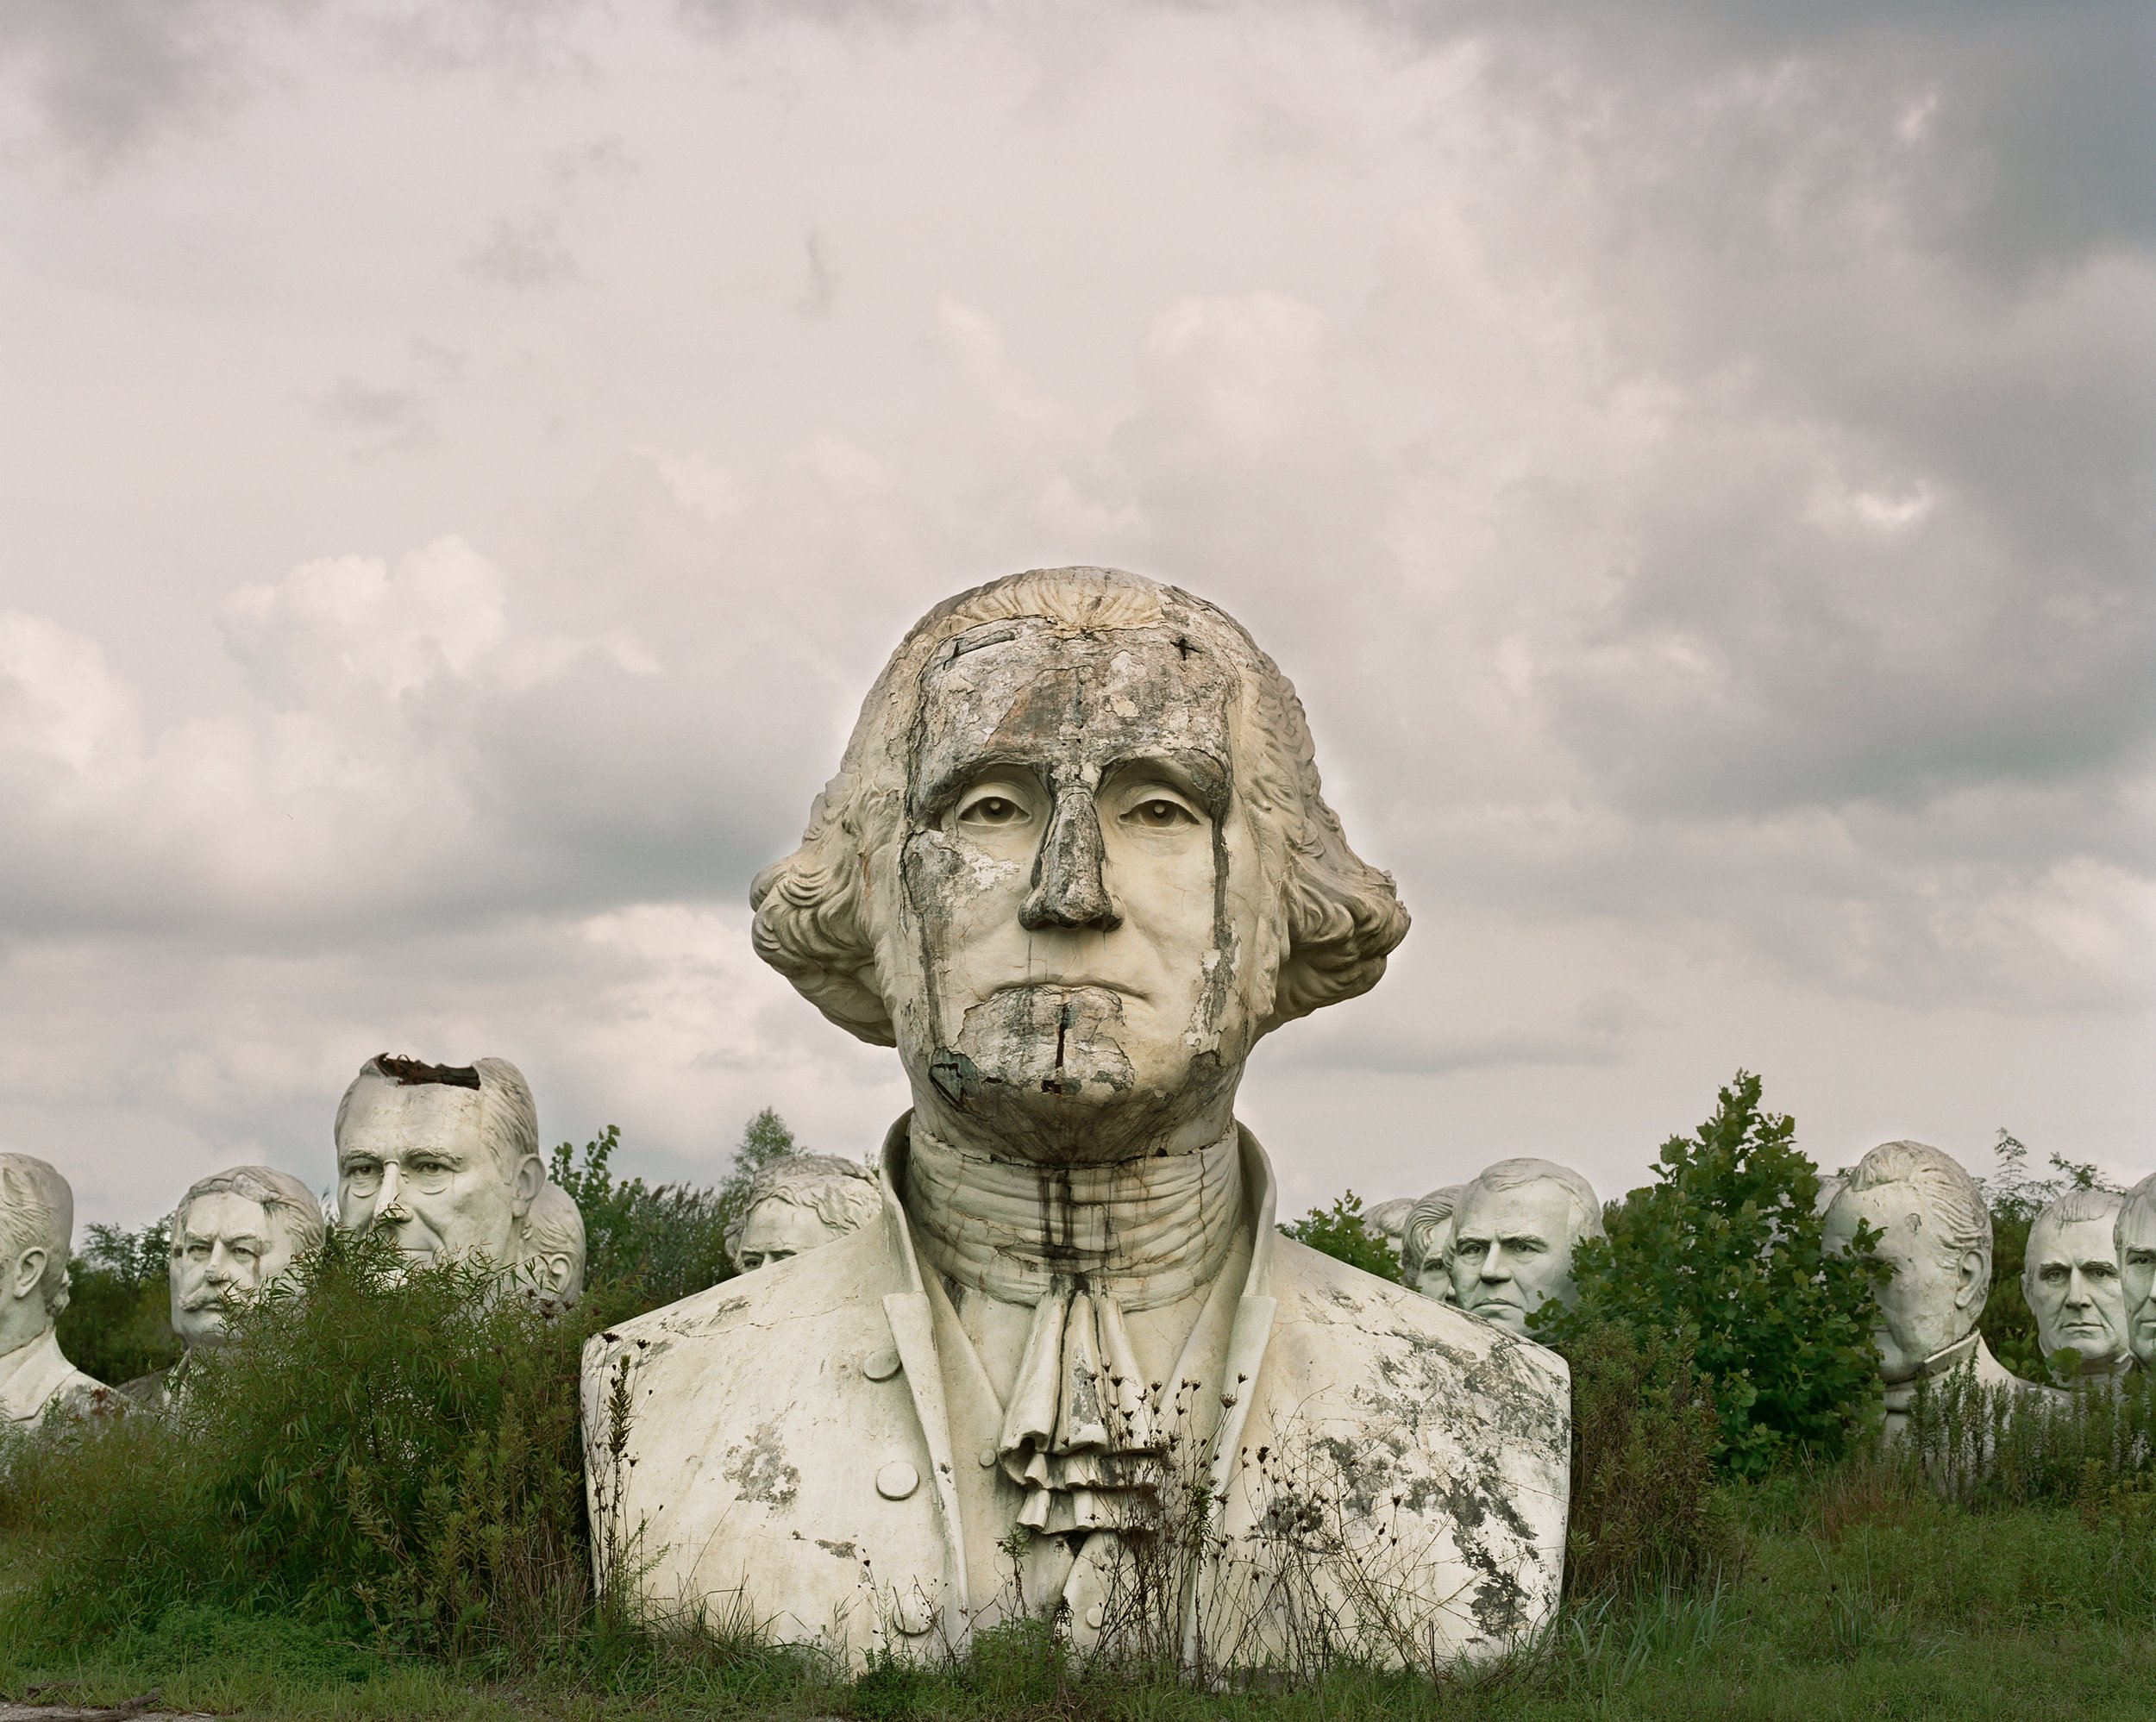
[
  {"x": 1075, "y": 865},
  {"x": 233, "y": 1234}
]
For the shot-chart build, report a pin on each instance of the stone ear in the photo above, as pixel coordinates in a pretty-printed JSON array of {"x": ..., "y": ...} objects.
[
  {"x": 531, "y": 1178},
  {"x": 29, "y": 1269}
]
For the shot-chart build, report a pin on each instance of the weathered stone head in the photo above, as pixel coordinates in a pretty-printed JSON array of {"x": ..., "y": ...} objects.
[
  {"x": 1075, "y": 863},
  {"x": 233, "y": 1234},
  {"x": 2135, "y": 1234},
  {"x": 444, "y": 1157},
  {"x": 798, "y": 1202},
  {"x": 2070, "y": 1275},
  {"x": 1513, "y": 1233},
  {"x": 1935, "y": 1233},
  {"x": 1425, "y": 1244},
  {"x": 550, "y": 1246},
  {"x": 37, "y": 1230}
]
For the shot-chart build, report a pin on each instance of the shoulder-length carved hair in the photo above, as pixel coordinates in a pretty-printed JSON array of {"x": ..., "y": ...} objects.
[{"x": 816, "y": 910}]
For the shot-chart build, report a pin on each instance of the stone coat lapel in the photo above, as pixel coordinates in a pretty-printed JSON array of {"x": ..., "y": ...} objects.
[{"x": 788, "y": 1456}]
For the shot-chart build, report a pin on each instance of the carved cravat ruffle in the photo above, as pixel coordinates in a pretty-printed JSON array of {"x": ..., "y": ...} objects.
[{"x": 1083, "y": 1428}]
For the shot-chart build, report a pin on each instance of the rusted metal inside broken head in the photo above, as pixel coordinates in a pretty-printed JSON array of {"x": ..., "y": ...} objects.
[{"x": 411, "y": 1072}]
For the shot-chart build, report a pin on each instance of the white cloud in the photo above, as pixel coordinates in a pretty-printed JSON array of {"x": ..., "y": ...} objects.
[{"x": 1691, "y": 465}]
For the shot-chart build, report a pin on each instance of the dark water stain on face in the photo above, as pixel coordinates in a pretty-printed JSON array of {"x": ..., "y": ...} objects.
[{"x": 1067, "y": 710}]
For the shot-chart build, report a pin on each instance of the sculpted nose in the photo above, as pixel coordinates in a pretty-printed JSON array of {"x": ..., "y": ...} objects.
[
  {"x": 1069, "y": 889},
  {"x": 391, "y": 1205}
]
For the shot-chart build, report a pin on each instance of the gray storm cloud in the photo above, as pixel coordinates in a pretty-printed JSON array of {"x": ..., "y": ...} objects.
[{"x": 1695, "y": 462}]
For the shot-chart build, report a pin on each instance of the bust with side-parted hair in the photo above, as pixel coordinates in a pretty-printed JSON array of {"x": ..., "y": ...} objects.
[
  {"x": 1514, "y": 1228},
  {"x": 37, "y": 1230}
]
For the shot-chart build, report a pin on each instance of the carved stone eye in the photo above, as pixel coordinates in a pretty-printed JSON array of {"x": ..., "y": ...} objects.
[{"x": 1161, "y": 814}]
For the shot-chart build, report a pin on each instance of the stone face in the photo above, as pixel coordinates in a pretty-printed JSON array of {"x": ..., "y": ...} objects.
[
  {"x": 2070, "y": 1275},
  {"x": 1425, "y": 1244},
  {"x": 445, "y": 1159},
  {"x": 37, "y": 1228},
  {"x": 797, "y": 1203},
  {"x": 1514, "y": 1228},
  {"x": 233, "y": 1234},
  {"x": 2135, "y": 1234},
  {"x": 1935, "y": 1233},
  {"x": 1075, "y": 863}
]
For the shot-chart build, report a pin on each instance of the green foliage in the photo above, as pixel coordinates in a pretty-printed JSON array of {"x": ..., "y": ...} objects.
[
  {"x": 1342, "y": 1232},
  {"x": 2016, "y": 1198},
  {"x": 663, "y": 1244},
  {"x": 376, "y": 1449},
  {"x": 1644, "y": 1439},
  {"x": 117, "y": 1323},
  {"x": 1723, "y": 1253}
]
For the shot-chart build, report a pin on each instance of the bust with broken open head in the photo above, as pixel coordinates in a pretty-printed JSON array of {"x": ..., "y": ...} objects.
[
  {"x": 1075, "y": 865},
  {"x": 443, "y": 1157}
]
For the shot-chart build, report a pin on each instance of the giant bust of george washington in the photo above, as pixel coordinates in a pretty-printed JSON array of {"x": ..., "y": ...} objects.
[{"x": 1075, "y": 864}]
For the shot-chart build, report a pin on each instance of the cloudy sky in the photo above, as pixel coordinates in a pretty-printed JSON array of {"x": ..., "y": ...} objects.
[{"x": 465, "y": 463}]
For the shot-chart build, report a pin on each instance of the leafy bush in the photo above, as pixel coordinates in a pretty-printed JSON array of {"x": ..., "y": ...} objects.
[
  {"x": 377, "y": 1449},
  {"x": 117, "y": 1323},
  {"x": 1342, "y": 1232},
  {"x": 1722, "y": 1255},
  {"x": 1645, "y": 1437},
  {"x": 667, "y": 1242}
]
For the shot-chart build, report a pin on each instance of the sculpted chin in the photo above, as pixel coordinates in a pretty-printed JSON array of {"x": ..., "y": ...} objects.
[{"x": 1074, "y": 865}]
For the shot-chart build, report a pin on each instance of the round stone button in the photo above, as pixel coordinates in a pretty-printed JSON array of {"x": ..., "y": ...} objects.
[
  {"x": 1096, "y": 1617},
  {"x": 913, "y": 1616},
  {"x": 881, "y": 1365},
  {"x": 988, "y": 1458},
  {"x": 896, "y": 1479}
]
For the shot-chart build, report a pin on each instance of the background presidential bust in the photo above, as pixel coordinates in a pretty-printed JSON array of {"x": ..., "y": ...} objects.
[
  {"x": 37, "y": 1231},
  {"x": 1076, "y": 862}
]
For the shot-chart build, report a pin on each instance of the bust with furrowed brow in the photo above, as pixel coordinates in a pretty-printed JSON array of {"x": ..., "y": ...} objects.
[{"x": 1076, "y": 862}]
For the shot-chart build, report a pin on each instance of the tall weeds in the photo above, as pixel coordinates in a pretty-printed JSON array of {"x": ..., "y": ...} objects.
[{"x": 385, "y": 1452}]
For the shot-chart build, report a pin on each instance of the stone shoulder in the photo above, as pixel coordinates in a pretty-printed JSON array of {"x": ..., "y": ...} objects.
[
  {"x": 812, "y": 1286},
  {"x": 1403, "y": 1356},
  {"x": 1312, "y": 1275}
]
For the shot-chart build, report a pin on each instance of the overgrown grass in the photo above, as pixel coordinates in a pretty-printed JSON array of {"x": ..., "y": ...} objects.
[
  {"x": 1849, "y": 1595},
  {"x": 370, "y": 1504},
  {"x": 1854, "y": 1590}
]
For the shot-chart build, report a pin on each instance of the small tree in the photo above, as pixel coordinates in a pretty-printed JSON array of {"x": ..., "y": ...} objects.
[
  {"x": 1344, "y": 1232},
  {"x": 1723, "y": 1253},
  {"x": 117, "y": 1323},
  {"x": 665, "y": 1243}
]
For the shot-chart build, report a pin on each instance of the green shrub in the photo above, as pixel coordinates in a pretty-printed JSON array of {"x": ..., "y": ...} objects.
[
  {"x": 118, "y": 1324},
  {"x": 1722, "y": 1254},
  {"x": 1342, "y": 1232},
  {"x": 1645, "y": 1437},
  {"x": 375, "y": 1449},
  {"x": 664, "y": 1243}
]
